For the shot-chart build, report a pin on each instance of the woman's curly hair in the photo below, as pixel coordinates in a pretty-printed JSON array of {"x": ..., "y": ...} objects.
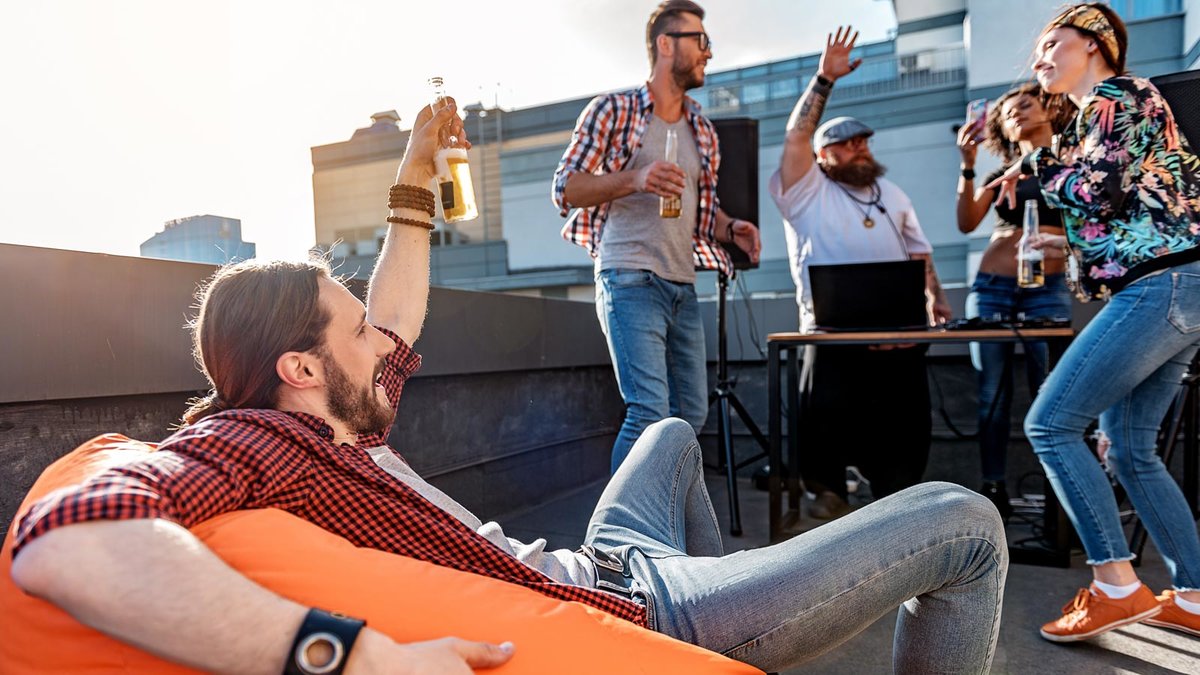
[{"x": 1009, "y": 150}]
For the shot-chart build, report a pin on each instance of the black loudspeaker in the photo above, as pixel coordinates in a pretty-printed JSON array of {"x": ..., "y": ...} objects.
[
  {"x": 737, "y": 177},
  {"x": 1182, "y": 91}
]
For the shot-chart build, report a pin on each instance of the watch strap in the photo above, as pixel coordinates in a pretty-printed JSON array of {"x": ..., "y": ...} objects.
[
  {"x": 337, "y": 630},
  {"x": 969, "y": 174}
]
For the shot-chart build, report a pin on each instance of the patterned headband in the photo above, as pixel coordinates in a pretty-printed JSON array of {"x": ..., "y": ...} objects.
[{"x": 1092, "y": 20}]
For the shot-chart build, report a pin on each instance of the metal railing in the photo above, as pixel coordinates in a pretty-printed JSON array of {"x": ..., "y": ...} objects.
[
  {"x": 875, "y": 77},
  {"x": 1131, "y": 10}
]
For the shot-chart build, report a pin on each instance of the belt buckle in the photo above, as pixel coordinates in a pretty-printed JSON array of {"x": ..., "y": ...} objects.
[{"x": 603, "y": 559}]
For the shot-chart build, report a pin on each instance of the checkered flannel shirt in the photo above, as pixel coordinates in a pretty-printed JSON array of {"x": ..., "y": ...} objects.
[
  {"x": 253, "y": 459},
  {"x": 608, "y": 133}
]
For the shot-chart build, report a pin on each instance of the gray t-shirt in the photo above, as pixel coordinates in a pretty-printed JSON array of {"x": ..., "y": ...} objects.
[
  {"x": 635, "y": 236},
  {"x": 563, "y": 566}
]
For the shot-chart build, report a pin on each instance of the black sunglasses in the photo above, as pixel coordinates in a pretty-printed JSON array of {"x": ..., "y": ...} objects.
[{"x": 705, "y": 43}]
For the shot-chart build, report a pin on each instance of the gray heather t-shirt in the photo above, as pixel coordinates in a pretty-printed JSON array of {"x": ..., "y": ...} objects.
[
  {"x": 635, "y": 236},
  {"x": 563, "y": 566}
]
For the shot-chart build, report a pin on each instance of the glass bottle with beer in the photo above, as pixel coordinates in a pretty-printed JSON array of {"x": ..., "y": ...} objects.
[
  {"x": 671, "y": 207},
  {"x": 453, "y": 181},
  {"x": 1029, "y": 259}
]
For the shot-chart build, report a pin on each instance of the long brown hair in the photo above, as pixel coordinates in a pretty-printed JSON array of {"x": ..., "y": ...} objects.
[{"x": 249, "y": 314}]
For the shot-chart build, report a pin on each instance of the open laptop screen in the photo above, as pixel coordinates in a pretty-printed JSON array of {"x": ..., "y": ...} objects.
[{"x": 880, "y": 296}]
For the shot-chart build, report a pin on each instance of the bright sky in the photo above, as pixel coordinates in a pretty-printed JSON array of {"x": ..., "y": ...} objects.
[{"x": 123, "y": 114}]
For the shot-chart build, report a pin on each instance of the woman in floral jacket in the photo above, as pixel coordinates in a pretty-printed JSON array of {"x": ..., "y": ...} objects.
[{"x": 1128, "y": 188}]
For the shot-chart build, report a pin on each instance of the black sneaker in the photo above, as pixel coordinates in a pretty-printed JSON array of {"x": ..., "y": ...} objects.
[{"x": 996, "y": 493}]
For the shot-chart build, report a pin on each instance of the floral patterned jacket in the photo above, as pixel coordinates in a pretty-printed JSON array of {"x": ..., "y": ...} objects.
[{"x": 1127, "y": 184}]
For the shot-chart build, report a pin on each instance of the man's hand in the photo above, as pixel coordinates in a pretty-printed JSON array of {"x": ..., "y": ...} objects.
[
  {"x": 746, "y": 237},
  {"x": 940, "y": 310},
  {"x": 661, "y": 178},
  {"x": 452, "y": 656},
  {"x": 423, "y": 143},
  {"x": 375, "y": 652},
  {"x": 835, "y": 60}
]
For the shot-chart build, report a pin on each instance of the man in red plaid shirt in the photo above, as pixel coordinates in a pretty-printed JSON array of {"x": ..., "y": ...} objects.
[
  {"x": 614, "y": 174},
  {"x": 305, "y": 386},
  {"x": 306, "y": 381}
]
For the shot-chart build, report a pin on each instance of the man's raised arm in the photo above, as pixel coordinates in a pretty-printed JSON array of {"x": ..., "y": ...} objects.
[
  {"x": 398, "y": 293},
  {"x": 797, "y": 146}
]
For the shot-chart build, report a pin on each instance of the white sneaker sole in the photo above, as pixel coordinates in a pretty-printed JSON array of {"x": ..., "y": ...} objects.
[
  {"x": 1171, "y": 626},
  {"x": 1103, "y": 629}
]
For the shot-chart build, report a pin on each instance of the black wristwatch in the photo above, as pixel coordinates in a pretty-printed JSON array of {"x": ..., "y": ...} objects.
[
  {"x": 335, "y": 630},
  {"x": 969, "y": 174},
  {"x": 821, "y": 80}
]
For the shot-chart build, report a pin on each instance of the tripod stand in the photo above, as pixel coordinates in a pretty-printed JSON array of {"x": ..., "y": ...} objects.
[{"x": 724, "y": 396}]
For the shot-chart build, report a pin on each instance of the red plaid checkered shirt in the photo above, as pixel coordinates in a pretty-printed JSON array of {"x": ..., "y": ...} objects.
[
  {"x": 608, "y": 133},
  {"x": 253, "y": 459}
]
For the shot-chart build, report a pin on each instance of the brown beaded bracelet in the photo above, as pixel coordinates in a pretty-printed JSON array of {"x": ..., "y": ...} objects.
[
  {"x": 413, "y": 197},
  {"x": 410, "y": 221},
  {"x": 421, "y": 192},
  {"x": 427, "y": 208}
]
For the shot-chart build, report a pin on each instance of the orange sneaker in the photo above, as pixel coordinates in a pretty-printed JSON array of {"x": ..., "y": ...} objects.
[
  {"x": 1092, "y": 613},
  {"x": 1174, "y": 617}
]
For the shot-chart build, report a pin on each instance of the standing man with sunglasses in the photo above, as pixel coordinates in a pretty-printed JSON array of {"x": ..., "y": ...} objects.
[
  {"x": 613, "y": 174},
  {"x": 838, "y": 208}
]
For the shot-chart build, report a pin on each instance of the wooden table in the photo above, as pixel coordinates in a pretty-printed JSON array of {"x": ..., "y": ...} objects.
[{"x": 782, "y": 346}]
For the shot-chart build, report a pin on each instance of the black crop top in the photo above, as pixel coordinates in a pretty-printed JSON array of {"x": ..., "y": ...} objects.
[{"x": 1026, "y": 189}]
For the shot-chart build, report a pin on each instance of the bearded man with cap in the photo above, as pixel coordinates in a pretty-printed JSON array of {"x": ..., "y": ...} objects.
[{"x": 838, "y": 208}]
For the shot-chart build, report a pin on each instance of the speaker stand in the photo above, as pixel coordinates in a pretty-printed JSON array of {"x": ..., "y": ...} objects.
[{"x": 724, "y": 396}]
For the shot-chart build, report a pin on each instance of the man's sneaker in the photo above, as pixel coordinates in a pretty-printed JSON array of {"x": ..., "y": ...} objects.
[
  {"x": 1092, "y": 613},
  {"x": 827, "y": 506},
  {"x": 1174, "y": 617}
]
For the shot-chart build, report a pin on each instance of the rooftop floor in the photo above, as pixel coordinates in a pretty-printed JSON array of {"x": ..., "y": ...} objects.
[{"x": 1033, "y": 596}]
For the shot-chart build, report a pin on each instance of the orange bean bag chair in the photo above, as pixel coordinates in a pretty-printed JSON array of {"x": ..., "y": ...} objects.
[{"x": 408, "y": 599}]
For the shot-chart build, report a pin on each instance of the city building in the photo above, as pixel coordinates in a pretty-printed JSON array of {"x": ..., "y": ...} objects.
[
  {"x": 204, "y": 239},
  {"x": 912, "y": 88}
]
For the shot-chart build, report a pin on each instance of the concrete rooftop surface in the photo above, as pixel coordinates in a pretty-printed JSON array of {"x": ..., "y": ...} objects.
[{"x": 1033, "y": 595}]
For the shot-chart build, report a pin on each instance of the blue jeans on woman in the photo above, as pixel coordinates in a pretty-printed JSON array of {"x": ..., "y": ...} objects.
[
  {"x": 935, "y": 551},
  {"x": 656, "y": 340},
  {"x": 1125, "y": 368},
  {"x": 999, "y": 298}
]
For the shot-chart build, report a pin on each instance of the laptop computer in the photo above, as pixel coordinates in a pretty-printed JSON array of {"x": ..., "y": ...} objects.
[{"x": 879, "y": 296}]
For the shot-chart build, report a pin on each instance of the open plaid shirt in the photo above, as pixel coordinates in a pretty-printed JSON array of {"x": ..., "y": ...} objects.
[
  {"x": 606, "y": 137},
  {"x": 253, "y": 459}
]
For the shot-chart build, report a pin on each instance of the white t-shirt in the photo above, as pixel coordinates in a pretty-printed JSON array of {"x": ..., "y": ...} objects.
[
  {"x": 563, "y": 566},
  {"x": 824, "y": 226}
]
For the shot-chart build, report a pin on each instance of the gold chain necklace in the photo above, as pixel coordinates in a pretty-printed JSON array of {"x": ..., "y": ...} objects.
[{"x": 876, "y": 201}]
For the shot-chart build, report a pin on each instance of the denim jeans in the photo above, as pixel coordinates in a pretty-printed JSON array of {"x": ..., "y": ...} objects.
[
  {"x": 995, "y": 297},
  {"x": 656, "y": 340},
  {"x": 1124, "y": 368},
  {"x": 936, "y": 551}
]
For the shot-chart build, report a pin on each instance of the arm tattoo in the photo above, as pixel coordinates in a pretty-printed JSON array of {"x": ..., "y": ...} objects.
[
  {"x": 931, "y": 278},
  {"x": 809, "y": 108}
]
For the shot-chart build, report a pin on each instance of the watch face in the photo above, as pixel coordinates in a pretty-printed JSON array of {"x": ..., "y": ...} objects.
[{"x": 320, "y": 653}]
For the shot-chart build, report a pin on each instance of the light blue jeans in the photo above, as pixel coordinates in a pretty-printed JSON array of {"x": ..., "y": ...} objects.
[
  {"x": 656, "y": 339},
  {"x": 999, "y": 298},
  {"x": 937, "y": 551},
  {"x": 1124, "y": 368}
]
